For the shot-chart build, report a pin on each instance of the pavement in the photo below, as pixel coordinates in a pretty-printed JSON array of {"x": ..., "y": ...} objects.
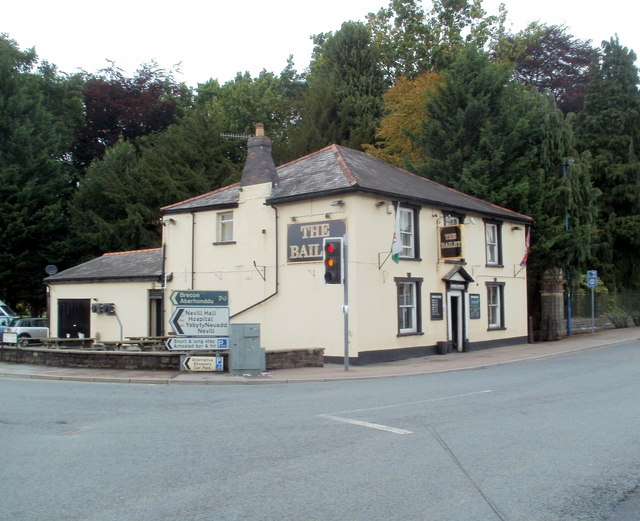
[{"x": 333, "y": 372}]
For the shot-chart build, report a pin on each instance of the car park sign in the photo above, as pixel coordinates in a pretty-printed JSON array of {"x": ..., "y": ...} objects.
[{"x": 197, "y": 343}]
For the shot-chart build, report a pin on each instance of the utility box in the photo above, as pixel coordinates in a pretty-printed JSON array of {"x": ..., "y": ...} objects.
[{"x": 245, "y": 354}]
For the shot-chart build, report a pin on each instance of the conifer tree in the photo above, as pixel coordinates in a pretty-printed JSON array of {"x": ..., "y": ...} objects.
[
  {"x": 345, "y": 84},
  {"x": 609, "y": 128}
]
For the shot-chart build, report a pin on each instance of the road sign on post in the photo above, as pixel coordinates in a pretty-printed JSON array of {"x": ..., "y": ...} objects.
[
  {"x": 201, "y": 321},
  {"x": 197, "y": 343},
  {"x": 203, "y": 363},
  {"x": 200, "y": 298}
]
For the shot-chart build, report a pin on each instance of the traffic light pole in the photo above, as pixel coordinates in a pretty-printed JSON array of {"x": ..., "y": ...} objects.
[{"x": 345, "y": 307}]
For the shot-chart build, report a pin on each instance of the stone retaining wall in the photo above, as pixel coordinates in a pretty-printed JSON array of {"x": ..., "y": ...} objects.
[{"x": 154, "y": 360}]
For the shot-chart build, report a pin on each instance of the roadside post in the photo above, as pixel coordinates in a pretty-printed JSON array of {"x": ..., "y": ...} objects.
[
  {"x": 592, "y": 282},
  {"x": 200, "y": 320}
]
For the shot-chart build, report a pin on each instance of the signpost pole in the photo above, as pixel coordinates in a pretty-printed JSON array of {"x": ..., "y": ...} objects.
[
  {"x": 345, "y": 307},
  {"x": 593, "y": 325},
  {"x": 592, "y": 282}
]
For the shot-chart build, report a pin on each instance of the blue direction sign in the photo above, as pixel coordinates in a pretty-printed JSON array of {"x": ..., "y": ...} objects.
[
  {"x": 592, "y": 278},
  {"x": 200, "y": 343},
  {"x": 200, "y": 298}
]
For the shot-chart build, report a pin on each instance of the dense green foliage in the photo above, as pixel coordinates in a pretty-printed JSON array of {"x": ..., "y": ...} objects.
[
  {"x": 520, "y": 120},
  {"x": 609, "y": 128}
]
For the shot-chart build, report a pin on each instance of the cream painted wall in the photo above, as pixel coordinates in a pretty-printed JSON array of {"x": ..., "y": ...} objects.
[
  {"x": 130, "y": 298},
  {"x": 245, "y": 267},
  {"x": 307, "y": 313}
]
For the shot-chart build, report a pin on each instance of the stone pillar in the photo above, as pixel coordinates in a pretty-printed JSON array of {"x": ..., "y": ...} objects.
[{"x": 552, "y": 326}]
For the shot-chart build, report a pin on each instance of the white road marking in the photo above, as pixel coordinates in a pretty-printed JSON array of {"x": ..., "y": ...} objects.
[
  {"x": 406, "y": 404},
  {"x": 369, "y": 425}
]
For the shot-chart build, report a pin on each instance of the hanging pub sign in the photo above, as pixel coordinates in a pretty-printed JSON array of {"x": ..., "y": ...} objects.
[
  {"x": 450, "y": 242},
  {"x": 304, "y": 240}
]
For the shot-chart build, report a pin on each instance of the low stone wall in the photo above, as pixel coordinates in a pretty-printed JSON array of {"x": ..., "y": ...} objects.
[
  {"x": 152, "y": 360},
  {"x": 293, "y": 358}
]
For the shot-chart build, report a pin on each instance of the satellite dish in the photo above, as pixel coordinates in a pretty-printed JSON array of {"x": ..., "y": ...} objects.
[{"x": 51, "y": 269}]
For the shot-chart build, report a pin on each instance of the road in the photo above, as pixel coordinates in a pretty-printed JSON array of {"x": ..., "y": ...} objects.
[{"x": 550, "y": 440}]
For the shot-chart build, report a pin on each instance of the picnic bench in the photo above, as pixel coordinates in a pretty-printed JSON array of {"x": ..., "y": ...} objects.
[
  {"x": 142, "y": 343},
  {"x": 53, "y": 342}
]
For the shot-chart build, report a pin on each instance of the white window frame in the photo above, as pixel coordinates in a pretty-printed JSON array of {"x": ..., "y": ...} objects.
[
  {"x": 225, "y": 227},
  {"x": 409, "y": 305},
  {"x": 493, "y": 243},
  {"x": 495, "y": 305},
  {"x": 407, "y": 232}
]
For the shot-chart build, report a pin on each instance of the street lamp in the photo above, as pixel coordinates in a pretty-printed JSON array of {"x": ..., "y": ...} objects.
[{"x": 565, "y": 168}]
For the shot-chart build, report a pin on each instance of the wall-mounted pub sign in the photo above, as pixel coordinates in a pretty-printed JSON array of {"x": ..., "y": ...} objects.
[
  {"x": 450, "y": 242},
  {"x": 304, "y": 240}
]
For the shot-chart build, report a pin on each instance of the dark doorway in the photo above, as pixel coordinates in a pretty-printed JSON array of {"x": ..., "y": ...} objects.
[
  {"x": 74, "y": 318},
  {"x": 155, "y": 313},
  {"x": 455, "y": 321}
]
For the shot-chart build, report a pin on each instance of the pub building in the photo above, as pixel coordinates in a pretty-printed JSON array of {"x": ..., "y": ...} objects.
[{"x": 456, "y": 281}]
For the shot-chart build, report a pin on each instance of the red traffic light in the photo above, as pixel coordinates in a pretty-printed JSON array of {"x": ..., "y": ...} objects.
[{"x": 332, "y": 259}]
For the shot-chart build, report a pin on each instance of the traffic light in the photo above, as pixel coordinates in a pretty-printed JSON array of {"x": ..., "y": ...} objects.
[{"x": 332, "y": 258}]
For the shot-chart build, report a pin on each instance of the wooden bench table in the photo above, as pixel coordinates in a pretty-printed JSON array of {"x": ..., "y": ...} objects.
[{"x": 56, "y": 343}]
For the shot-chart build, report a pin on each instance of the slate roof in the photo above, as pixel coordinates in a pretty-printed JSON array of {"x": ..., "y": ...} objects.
[
  {"x": 338, "y": 170},
  {"x": 126, "y": 266}
]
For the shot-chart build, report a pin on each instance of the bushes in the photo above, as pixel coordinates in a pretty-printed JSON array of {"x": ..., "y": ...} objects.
[{"x": 620, "y": 317}]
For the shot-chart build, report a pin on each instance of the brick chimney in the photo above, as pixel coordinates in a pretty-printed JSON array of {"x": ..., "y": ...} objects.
[{"x": 259, "y": 167}]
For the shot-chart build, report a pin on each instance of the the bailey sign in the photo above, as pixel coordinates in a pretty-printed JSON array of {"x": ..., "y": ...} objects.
[{"x": 304, "y": 240}]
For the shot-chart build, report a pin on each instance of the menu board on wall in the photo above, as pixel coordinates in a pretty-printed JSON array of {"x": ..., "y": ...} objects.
[
  {"x": 436, "y": 306},
  {"x": 474, "y": 305}
]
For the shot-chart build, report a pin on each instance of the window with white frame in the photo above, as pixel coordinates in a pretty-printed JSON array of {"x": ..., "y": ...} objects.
[
  {"x": 495, "y": 305},
  {"x": 408, "y": 224},
  {"x": 493, "y": 242},
  {"x": 225, "y": 227},
  {"x": 409, "y": 306}
]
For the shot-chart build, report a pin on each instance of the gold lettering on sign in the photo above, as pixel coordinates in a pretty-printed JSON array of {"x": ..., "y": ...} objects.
[
  {"x": 304, "y": 251},
  {"x": 315, "y": 230}
]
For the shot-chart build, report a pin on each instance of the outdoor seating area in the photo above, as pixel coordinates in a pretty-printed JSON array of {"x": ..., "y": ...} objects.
[
  {"x": 149, "y": 343},
  {"x": 143, "y": 343},
  {"x": 65, "y": 343}
]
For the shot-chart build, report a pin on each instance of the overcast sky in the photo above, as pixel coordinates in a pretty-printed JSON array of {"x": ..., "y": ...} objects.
[{"x": 217, "y": 38}]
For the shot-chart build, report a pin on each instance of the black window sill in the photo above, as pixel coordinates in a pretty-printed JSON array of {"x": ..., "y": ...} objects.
[
  {"x": 494, "y": 265},
  {"x": 223, "y": 243},
  {"x": 417, "y": 333},
  {"x": 498, "y": 328}
]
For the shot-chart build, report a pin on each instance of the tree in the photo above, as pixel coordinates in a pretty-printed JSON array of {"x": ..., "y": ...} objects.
[
  {"x": 609, "y": 128},
  {"x": 548, "y": 58},
  {"x": 404, "y": 38},
  {"x": 116, "y": 207},
  {"x": 269, "y": 99},
  {"x": 506, "y": 143},
  {"x": 117, "y": 106},
  {"x": 405, "y": 112},
  {"x": 343, "y": 104},
  {"x": 40, "y": 112},
  {"x": 412, "y": 42}
]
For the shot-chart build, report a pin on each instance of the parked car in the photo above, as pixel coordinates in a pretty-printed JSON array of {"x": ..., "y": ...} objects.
[{"x": 28, "y": 329}]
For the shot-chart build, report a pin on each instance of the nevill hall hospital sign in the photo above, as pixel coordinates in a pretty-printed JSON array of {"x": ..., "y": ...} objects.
[{"x": 304, "y": 240}]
